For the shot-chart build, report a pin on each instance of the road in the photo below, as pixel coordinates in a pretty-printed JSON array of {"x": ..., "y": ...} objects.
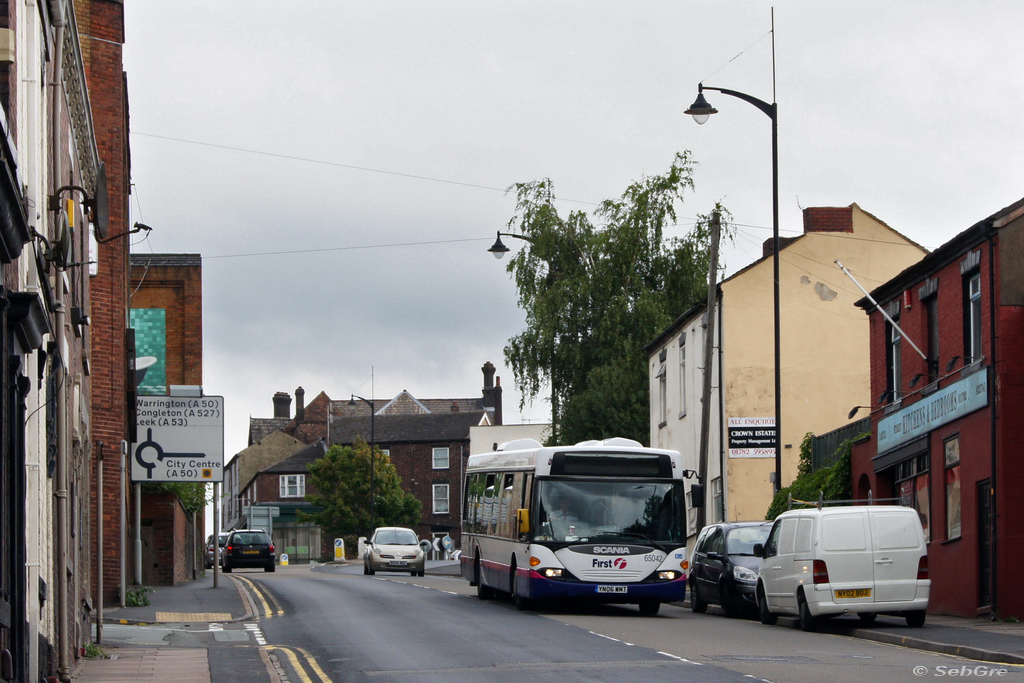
[{"x": 331, "y": 623}]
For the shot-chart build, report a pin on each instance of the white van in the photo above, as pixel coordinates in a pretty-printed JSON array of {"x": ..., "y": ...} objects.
[{"x": 862, "y": 560}]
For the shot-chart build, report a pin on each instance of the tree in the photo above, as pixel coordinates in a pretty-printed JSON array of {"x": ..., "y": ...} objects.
[
  {"x": 342, "y": 479},
  {"x": 594, "y": 295}
]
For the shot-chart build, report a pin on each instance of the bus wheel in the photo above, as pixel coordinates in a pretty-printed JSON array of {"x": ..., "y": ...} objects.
[
  {"x": 520, "y": 602},
  {"x": 483, "y": 592},
  {"x": 649, "y": 608}
]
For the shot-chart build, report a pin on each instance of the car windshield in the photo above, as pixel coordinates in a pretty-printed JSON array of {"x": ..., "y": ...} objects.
[
  {"x": 251, "y": 538},
  {"x": 740, "y": 540},
  {"x": 578, "y": 511},
  {"x": 396, "y": 537}
]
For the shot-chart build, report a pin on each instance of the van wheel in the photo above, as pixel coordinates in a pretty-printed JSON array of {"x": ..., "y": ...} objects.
[
  {"x": 915, "y": 619},
  {"x": 807, "y": 621},
  {"x": 696, "y": 604},
  {"x": 867, "y": 617},
  {"x": 767, "y": 617}
]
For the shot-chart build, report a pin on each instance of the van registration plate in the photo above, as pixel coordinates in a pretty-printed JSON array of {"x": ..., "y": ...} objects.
[
  {"x": 853, "y": 593},
  {"x": 612, "y": 589}
]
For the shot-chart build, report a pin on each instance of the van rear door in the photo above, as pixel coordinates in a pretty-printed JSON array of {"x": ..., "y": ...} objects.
[
  {"x": 898, "y": 547},
  {"x": 846, "y": 550}
]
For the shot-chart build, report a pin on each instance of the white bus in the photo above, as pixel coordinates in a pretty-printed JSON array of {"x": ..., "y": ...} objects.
[{"x": 602, "y": 521}]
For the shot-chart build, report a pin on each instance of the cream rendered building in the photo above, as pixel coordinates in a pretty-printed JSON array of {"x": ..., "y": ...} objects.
[{"x": 824, "y": 357}]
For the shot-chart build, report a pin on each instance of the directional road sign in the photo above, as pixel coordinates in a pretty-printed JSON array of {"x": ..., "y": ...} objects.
[{"x": 181, "y": 438}]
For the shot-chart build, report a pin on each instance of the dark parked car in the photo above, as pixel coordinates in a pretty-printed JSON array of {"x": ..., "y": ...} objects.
[
  {"x": 723, "y": 569},
  {"x": 249, "y": 548}
]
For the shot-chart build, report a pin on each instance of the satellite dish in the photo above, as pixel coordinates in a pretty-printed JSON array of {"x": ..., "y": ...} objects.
[
  {"x": 100, "y": 204},
  {"x": 62, "y": 251}
]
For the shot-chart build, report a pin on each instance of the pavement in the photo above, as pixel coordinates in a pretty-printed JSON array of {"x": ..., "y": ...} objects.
[{"x": 179, "y": 613}]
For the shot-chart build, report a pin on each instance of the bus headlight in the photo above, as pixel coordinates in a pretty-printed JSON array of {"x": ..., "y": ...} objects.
[
  {"x": 551, "y": 573},
  {"x": 670, "y": 575}
]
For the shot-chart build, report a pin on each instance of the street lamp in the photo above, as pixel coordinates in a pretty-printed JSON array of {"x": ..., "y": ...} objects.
[
  {"x": 701, "y": 110},
  {"x": 373, "y": 454}
]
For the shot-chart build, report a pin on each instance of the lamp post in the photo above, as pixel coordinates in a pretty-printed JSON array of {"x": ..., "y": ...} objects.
[
  {"x": 701, "y": 110},
  {"x": 373, "y": 449}
]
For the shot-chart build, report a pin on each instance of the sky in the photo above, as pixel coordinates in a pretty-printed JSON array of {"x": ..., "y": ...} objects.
[{"x": 342, "y": 166}]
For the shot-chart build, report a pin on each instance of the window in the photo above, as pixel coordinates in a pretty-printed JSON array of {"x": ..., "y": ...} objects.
[
  {"x": 952, "y": 448},
  {"x": 682, "y": 374},
  {"x": 441, "y": 458},
  {"x": 894, "y": 359},
  {"x": 931, "y": 307},
  {"x": 293, "y": 485},
  {"x": 662, "y": 396},
  {"x": 972, "y": 319},
  {"x": 440, "y": 499},
  {"x": 914, "y": 486}
]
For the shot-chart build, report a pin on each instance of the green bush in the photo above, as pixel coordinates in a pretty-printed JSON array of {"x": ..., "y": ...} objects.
[{"x": 832, "y": 483}]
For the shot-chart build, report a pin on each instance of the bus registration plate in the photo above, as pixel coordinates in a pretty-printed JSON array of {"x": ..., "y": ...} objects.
[{"x": 612, "y": 589}]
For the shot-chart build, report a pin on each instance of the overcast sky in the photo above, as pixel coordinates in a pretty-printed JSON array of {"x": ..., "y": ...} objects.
[{"x": 341, "y": 165}]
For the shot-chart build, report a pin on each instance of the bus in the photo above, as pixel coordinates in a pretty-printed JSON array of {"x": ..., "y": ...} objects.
[{"x": 601, "y": 521}]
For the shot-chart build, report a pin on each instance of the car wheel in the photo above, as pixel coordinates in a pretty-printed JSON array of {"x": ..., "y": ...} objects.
[
  {"x": 227, "y": 568},
  {"x": 423, "y": 572},
  {"x": 867, "y": 617},
  {"x": 696, "y": 604},
  {"x": 767, "y": 617},
  {"x": 270, "y": 567},
  {"x": 649, "y": 608},
  {"x": 807, "y": 621},
  {"x": 370, "y": 570},
  {"x": 727, "y": 601},
  {"x": 915, "y": 619}
]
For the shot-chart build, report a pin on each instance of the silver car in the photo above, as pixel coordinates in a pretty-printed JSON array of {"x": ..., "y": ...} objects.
[
  {"x": 394, "y": 549},
  {"x": 209, "y": 549}
]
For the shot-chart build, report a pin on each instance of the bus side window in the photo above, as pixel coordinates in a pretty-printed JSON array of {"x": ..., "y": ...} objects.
[{"x": 490, "y": 507}]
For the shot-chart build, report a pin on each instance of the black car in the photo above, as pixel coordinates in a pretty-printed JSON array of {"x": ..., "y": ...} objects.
[
  {"x": 248, "y": 548},
  {"x": 723, "y": 569}
]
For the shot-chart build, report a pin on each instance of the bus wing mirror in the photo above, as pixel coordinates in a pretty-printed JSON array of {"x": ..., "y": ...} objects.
[
  {"x": 523, "y": 520},
  {"x": 697, "y": 496}
]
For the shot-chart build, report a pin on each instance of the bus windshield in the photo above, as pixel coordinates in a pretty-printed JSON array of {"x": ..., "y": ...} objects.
[{"x": 579, "y": 511}]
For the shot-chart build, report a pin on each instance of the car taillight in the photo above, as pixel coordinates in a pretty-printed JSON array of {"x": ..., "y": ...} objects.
[
  {"x": 229, "y": 548},
  {"x": 271, "y": 547},
  {"x": 922, "y": 568},
  {"x": 820, "y": 572}
]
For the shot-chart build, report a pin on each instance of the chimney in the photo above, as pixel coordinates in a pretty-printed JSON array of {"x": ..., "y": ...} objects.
[
  {"x": 282, "y": 405},
  {"x": 300, "y": 405},
  {"x": 492, "y": 391},
  {"x": 828, "y": 219}
]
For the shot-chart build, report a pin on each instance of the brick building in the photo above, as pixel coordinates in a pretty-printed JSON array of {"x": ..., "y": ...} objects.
[
  {"x": 166, "y": 315},
  {"x": 427, "y": 440},
  {"x": 946, "y": 415}
]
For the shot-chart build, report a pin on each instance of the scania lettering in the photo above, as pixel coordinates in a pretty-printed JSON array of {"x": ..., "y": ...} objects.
[{"x": 601, "y": 521}]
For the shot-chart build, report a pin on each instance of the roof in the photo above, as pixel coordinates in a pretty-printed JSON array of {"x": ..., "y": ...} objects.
[
  {"x": 944, "y": 255},
  {"x": 393, "y": 429},
  {"x": 260, "y": 427},
  {"x": 300, "y": 460}
]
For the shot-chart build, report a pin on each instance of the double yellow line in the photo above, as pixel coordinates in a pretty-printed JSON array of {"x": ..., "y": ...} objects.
[
  {"x": 293, "y": 654},
  {"x": 262, "y": 596},
  {"x": 302, "y": 662}
]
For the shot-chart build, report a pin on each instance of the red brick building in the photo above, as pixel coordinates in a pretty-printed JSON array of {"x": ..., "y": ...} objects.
[
  {"x": 166, "y": 313},
  {"x": 946, "y": 426}
]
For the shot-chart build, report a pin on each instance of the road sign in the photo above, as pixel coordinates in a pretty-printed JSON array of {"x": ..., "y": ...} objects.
[
  {"x": 181, "y": 439},
  {"x": 448, "y": 543}
]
